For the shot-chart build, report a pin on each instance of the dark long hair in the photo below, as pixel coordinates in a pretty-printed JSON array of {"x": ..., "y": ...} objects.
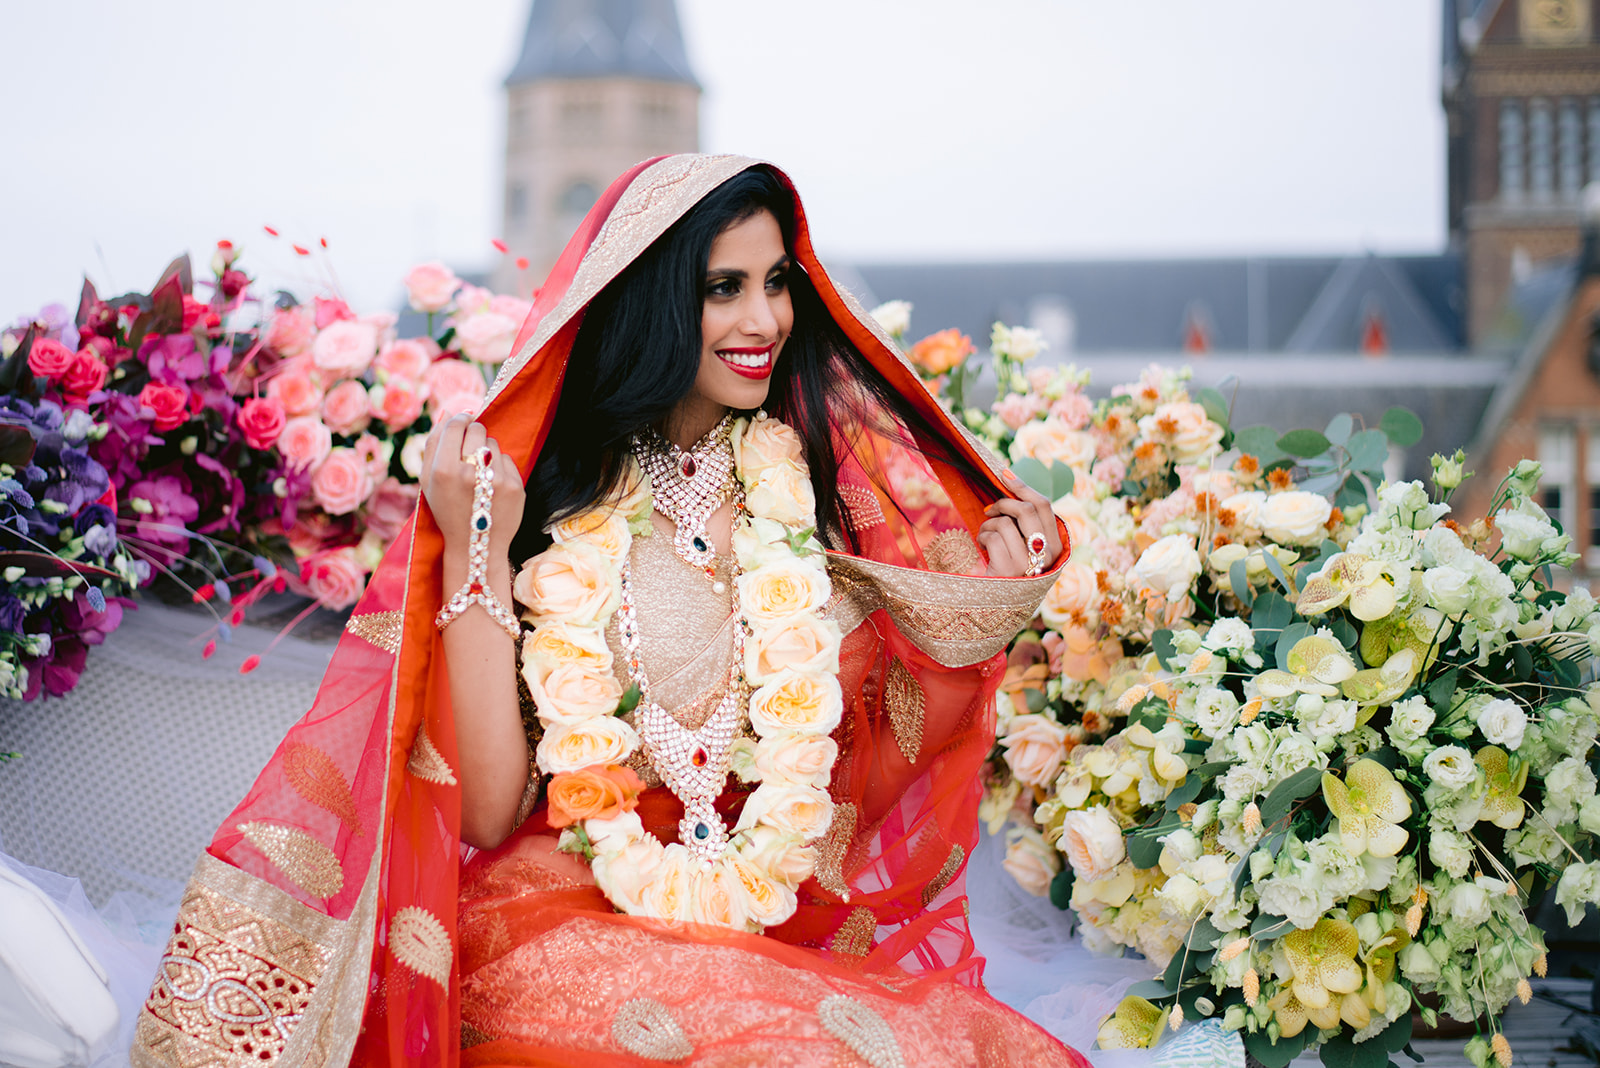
[{"x": 637, "y": 353}]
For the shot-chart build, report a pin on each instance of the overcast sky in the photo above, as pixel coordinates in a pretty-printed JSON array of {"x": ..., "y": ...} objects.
[{"x": 913, "y": 128}]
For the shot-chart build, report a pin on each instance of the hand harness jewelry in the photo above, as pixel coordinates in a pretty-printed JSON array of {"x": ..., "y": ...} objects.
[
  {"x": 1036, "y": 558},
  {"x": 476, "y": 589},
  {"x": 688, "y": 485}
]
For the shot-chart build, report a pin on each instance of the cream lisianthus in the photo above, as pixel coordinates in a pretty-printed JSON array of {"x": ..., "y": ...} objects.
[
  {"x": 804, "y": 643},
  {"x": 575, "y": 746},
  {"x": 784, "y": 587},
  {"x": 573, "y": 692},
  {"x": 568, "y": 584}
]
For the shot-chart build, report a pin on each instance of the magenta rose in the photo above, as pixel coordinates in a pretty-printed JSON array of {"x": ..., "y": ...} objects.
[
  {"x": 49, "y": 359},
  {"x": 344, "y": 349},
  {"x": 430, "y": 287},
  {"x": 262, "y": 420},
  {"x": 86, "y": 374},
  {"x": 342, "y": 482},
  {"x": 334, "y": 577},
  {"x": 453, "y": 386},
  {"x": 305, "y": 442},
  {"x": 169, "y": 403},
  {"x": 345, "y": 409}
]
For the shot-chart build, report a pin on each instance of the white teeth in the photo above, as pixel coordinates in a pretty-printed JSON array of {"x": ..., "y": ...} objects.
[{"x": 747, "y": 359}]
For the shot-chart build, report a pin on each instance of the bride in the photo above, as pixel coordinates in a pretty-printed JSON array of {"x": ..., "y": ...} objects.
[{"x": 655, "y": 738}]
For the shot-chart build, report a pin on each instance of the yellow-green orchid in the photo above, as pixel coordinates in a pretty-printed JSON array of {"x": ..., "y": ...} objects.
[
  {"x": 1382, "y": 685},
  {"x": 1323, "y": 960},
  {"x": 1165, "y": 763},
  {"x": 1369, "y": 805},
  {"x": 1502, "y": 798},
  {"x": 1316, "y": 665},
  {"x": 1135, "y": 1025},
  {"x": 1370, "y": 587}
]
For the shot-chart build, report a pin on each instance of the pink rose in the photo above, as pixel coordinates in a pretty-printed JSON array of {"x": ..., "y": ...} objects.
[
  {"x": 170, "y": 404},
  {"x": 334, "y": 577},
  {"x": 390, "y": 507},
  {"x": 290, "y": 333},
  {"x": 49, "y": 359},
  {"x": 294, "y": 384},
  {"x": 408, "y": 358},
  {"x": 345, "y": 348},
  {"x": 341, "y": 483},
  {"x": 471, "y": 299},
  {"x": 1014, "y": 409},
  {"x": 487, "y": 337},
  {"x": 305, "y": 442},
  {"x": 1074, "y": 410},
  {"x": 511, "y": 307},
  {"x": 383, "y": 322},
  {"x": 262, "y": 420},
  {"x": 331, "y": 310},
  {"x": 375, "y": 454},
  {"x": 345, "y": 410},
  {"x": 429, "y": 287},
  {"x": 86, "y": 374},
  {"x": 397, "y": 402},
  {"x": 453, "y": 386}
]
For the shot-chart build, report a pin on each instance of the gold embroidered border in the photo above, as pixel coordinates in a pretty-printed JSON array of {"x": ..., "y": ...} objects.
[
  {"x": 380, "y": 628},
  {"x": 952, "y": 552}
]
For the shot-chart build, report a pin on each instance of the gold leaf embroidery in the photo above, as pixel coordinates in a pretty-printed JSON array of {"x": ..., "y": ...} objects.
[
  {"x": 471, "y": 1036},
  {"x": 380, "y": 628},
  {"x": 645, "y": 1028},
  {"x": 420, "y": 942},
  {"x": 854, "y": 936},
  {"x": 946, "y": 875},
  {"x": 833, "y": 848},
  {"x": 865, "y": 511},
  {"x": 953, "y": 552},
  {"x": 315, "y": 777},
  {"x": 863, "y": 1030},
  {"x": 427, "y": 763},
  {"x": 906, "y": 705},
  {"x": 308, "y": 863}
]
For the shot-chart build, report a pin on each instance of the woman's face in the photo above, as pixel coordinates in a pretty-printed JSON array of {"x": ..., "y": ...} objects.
[{"x": 744, "y": 320}]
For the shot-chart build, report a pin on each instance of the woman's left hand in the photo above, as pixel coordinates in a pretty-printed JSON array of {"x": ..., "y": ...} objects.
[{"x": 1015, "y": 525}]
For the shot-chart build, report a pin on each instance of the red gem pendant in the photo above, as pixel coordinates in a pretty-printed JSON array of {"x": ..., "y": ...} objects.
[
  {"x": 699, "y": 758},
  {"x": 686, "y": 466}
]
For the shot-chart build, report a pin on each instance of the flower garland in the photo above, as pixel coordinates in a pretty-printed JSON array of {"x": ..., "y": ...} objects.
[{"x": 791, "y": 656}]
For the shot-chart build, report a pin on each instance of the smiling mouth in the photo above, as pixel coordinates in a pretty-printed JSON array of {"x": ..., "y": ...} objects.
[{"x": 751, "y": 363}]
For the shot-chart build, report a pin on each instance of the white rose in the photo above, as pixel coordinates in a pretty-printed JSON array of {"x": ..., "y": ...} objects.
[
  {"x": 784, "y": 493},
  {"x": 1502, "y": 722},
  {"x": 784, "y": 587},
  {"x": 1030, "y": 860},
  {"x": 1019, "y": 343},
  {"x": 1169, "y": 567},
  {"x": 1451, "y": 767},
  {"x": 805, "y": 702},
  {"x": 894, "y": 316},
  {"x": 801, "y": 810},
  {"x": 1035, "y": 746},
  {"x": 799, "y": 643},
  {"x": 1295, "y": 517},
  {"x": 1215, "y": 711},
  {"x": 575, "y": 746},
  {"x": 1333, "y": 718},
  {"x": 797, "y": 758},
  {"x": 1092, "y": 842}
]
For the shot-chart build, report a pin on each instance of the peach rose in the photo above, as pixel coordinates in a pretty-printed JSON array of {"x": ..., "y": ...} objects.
[
  {"x": 431, "y": 286},
  {"x": 344, "y": 408},
  {"x": 341, "y": 483},
  {"x": 487, "y": 337},
  {"x": 453, "y": 387},
  {"x": 291, "y": 330},
  {"x": 784, "y": 587},
  {"x": 788, "y": 756},
  {"x": 570, "y": 693},
  {"x": 593, "y": 794},
  {"x": 766, "y": 443},
  {"x": 1075, "y": 593},
  {"x": 295, "y": 386},
  {"x": 782, "y": 855},
  {"x": 801, "y": 643},
  {"x": 568, "y": 584},
  {"x": 335, "y": 577},
  {"x": 1030, "y": 860},
  {"x": 670, "y": 892},
  {"x": 1035, "y": 748},
  {"x": 801, "y": 810},
  {"x": 555, "y": 644},
  {"x": 305, "y": 442},
  {"x": 344, "y": 349},
  {"x": 720, "y": 898},
  {"x": 409, "y": 358},
  {"x": 575, "y": 746},
  {"x": 784, "y": 493},
  {"x": 768, "y": 901},
  {"x": 939, "y": 353},
  {"x": 603, "y": 531},
  {"x": 1185, "y": 428},
  {"x": 804, "y": 702},
  {"x": 1052, "y": 441},
  {"x": 1015, "y": 409},
  {"x": 1092, "y": 841},
  {"x": 397, "y": 402}
]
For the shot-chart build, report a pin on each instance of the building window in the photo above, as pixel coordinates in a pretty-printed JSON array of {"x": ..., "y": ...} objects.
[
  {"x": 1541, "y": 149},
  {"x": 1558, "y": 454},
  {"x": 1512, "y": 173},
  {"x": 1569, "y": 131},
  {"x": 575, "y": 203}
]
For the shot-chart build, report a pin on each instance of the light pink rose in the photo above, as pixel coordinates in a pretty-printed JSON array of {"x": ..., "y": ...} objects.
[
  {"x": 1014, "y": 409},
  {"x": 345, "y": 349},
  {"x": 470, "y": 300},
  {"x": 407, "y": 358},
  {"x": 397, "y": 402},
  {"x": 344, "y": 409},
  {"x": 430, "y": 286},
  {"x": 511, "y": 307},
  {"x": 334, "y": 577},
  {"x": 390, "y": 507},
  {"x": 1074, "y": 410},
  {"x": 341, "y": 483},
  {"x": 305, "y": 441},
  {"x": 453, "y": 386},
  {"x": 487, "y": 337},
  {"x": 1035, "y": 748},
  {"x": 383, "y": 324},
  {"x": 295, "y": 384},
  {"x": 289, "y": 335}
]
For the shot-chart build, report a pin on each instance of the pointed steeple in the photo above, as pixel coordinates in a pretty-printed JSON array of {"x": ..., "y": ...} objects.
[{"x": 603, "y": 39}]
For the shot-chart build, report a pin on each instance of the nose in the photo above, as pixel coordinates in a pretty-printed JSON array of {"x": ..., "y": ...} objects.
[{"x": 760, "y": 319}]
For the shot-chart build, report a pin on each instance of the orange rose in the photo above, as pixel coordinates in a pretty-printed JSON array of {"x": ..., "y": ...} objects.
[
  {"x": 938, "y": 353},
  {"x": 595, "y": 793}
]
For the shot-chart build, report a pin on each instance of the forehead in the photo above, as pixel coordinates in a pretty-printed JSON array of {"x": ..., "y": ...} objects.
[{"x": 757, "y": 238}]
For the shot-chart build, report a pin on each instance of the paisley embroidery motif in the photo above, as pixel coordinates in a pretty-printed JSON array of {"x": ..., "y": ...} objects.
[
  {"x": 863, "y": 1030},
  {"x": 953, "y": 552},
  {"x": 854, "y": 937},
  {"x": 306, "y": 862},
  {"x": 380, "y": 628},
  {"x": 427, "y": 763},
  {"x": 946, "y": 875},
  {"x": 906, "y": 704},
  {"x": 420, "y": 942},
  {"x": 645, "y": 1028},
  {"x": 315, "y": 777},
  {"x": 865, "y": 511},
  {"x": 831, "y": 851}
]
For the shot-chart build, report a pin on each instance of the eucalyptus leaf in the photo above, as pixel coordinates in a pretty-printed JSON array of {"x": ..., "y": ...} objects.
[
  {"x": 1302, "y": 783},
  {"x": 1345, "y": 631},
  {"x": 1523, "y": 660},
  {"x": 1286, "y": 641},
  {"x": 1061, "y": 888},
  {"x": 1276, "y": 1054},
  {"x": 1341, "y": 1051},
  {"x": 1276, "y": 569},
  {"x": 1303, "y": 443},
  {"x": 1339, "y": 428},
  {"x": 1062, "y": 480},
  {"x": 1368, "y": 450},
  {"x": 1238, "y": 578},
  {"x": 1215, "y": 404},
  {"x": 1150, "y": 990},
  {"x": 1351, "y": 494},
  {"x": 1161, "y": 641},
  {"x": 1034, "y": 473},
  {"x": 1182, "y": 795},
  {"x": 1268, "y": 926},
  {"x": 1272, "y": 612},
  {"x": 1203, "y": 935},
  {"x": 630, "y": 700},
  {"x": 1034, "y": 699},
  {"x": 1322, "y": 483},
  {"x": 1402, "y": 426},
  {"x": 1260, "y": 442},
  {"x": 1442, "y": 689}
]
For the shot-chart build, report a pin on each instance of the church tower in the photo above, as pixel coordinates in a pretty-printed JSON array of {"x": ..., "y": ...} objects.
[
  {"x": 1521, "y": 84},
  {"x": 599, "y": 86}
]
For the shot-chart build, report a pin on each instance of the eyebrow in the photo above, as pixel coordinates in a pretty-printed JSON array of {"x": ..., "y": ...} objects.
[{"x": 740, "y": 273}]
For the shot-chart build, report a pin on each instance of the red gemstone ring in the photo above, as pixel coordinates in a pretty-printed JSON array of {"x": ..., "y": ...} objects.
[{"x": 1036, "y": 543}]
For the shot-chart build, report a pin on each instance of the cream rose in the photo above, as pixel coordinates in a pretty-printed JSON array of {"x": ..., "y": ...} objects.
[
  {"x": 555, "y": 644},
  {"x": 802, "y": 810},
  {"x": 604, "y": 532},
  {"x": 766, "y": 898},
  {"x": 635, "y": 500},
  {"x": 1246, "y": 508},
  {"x": 575, "y": 746},
  {"x": 757, "y": 542},
  {"x": 305, "y": 442},
  {"x": 670, "y": 892},
  {"x": 1295, "y": 517},
  {"x": 1030, "y": 860},
  {"x": 624, "y": 872},
  {"x": 894, "y": 316},
  {"x": 1186, "y": 429},
  {"x": 1075, "y": 592},
  {"x": 783, "y": 492},
  {"x": 783, "y": 588},
  {"x": 780, "y": 854},
  {"x": 1051, "y": 440},
  {"x": 766, "y": 443},
  {"x": 799, "y": 643},
  {"x": 1035, "y": 748},
  {"x": 798, "y": 758},
  {"x": 570, "y": 693},
  {"x": 618, "y": 832},
  {"x": 1169, "y": 567},
  {"x": 342, "y": 482},
  {"x": 802, "y": 702},
  {"x": 568, "y": 584},
  {"x": 720, "y": 897},
  {"x": 1092, "y": 841},
  {"x": 345, "y": 348}
]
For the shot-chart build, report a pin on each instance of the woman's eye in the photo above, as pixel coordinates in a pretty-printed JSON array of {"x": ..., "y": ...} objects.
[
  {"x": 723, "y": 287},
  {"x": 778, "y": 282}
]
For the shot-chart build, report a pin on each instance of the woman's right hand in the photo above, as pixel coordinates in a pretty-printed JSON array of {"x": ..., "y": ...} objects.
[{"x": 449, "y": 478}]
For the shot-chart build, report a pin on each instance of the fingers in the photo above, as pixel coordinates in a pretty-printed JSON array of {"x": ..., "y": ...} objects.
[
  {"x": 444, "y": 436},
  {"x": 473, "y": 437},
  {"x": 1004, "y": 544},
  {"x": 1030, "y": 518}
]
